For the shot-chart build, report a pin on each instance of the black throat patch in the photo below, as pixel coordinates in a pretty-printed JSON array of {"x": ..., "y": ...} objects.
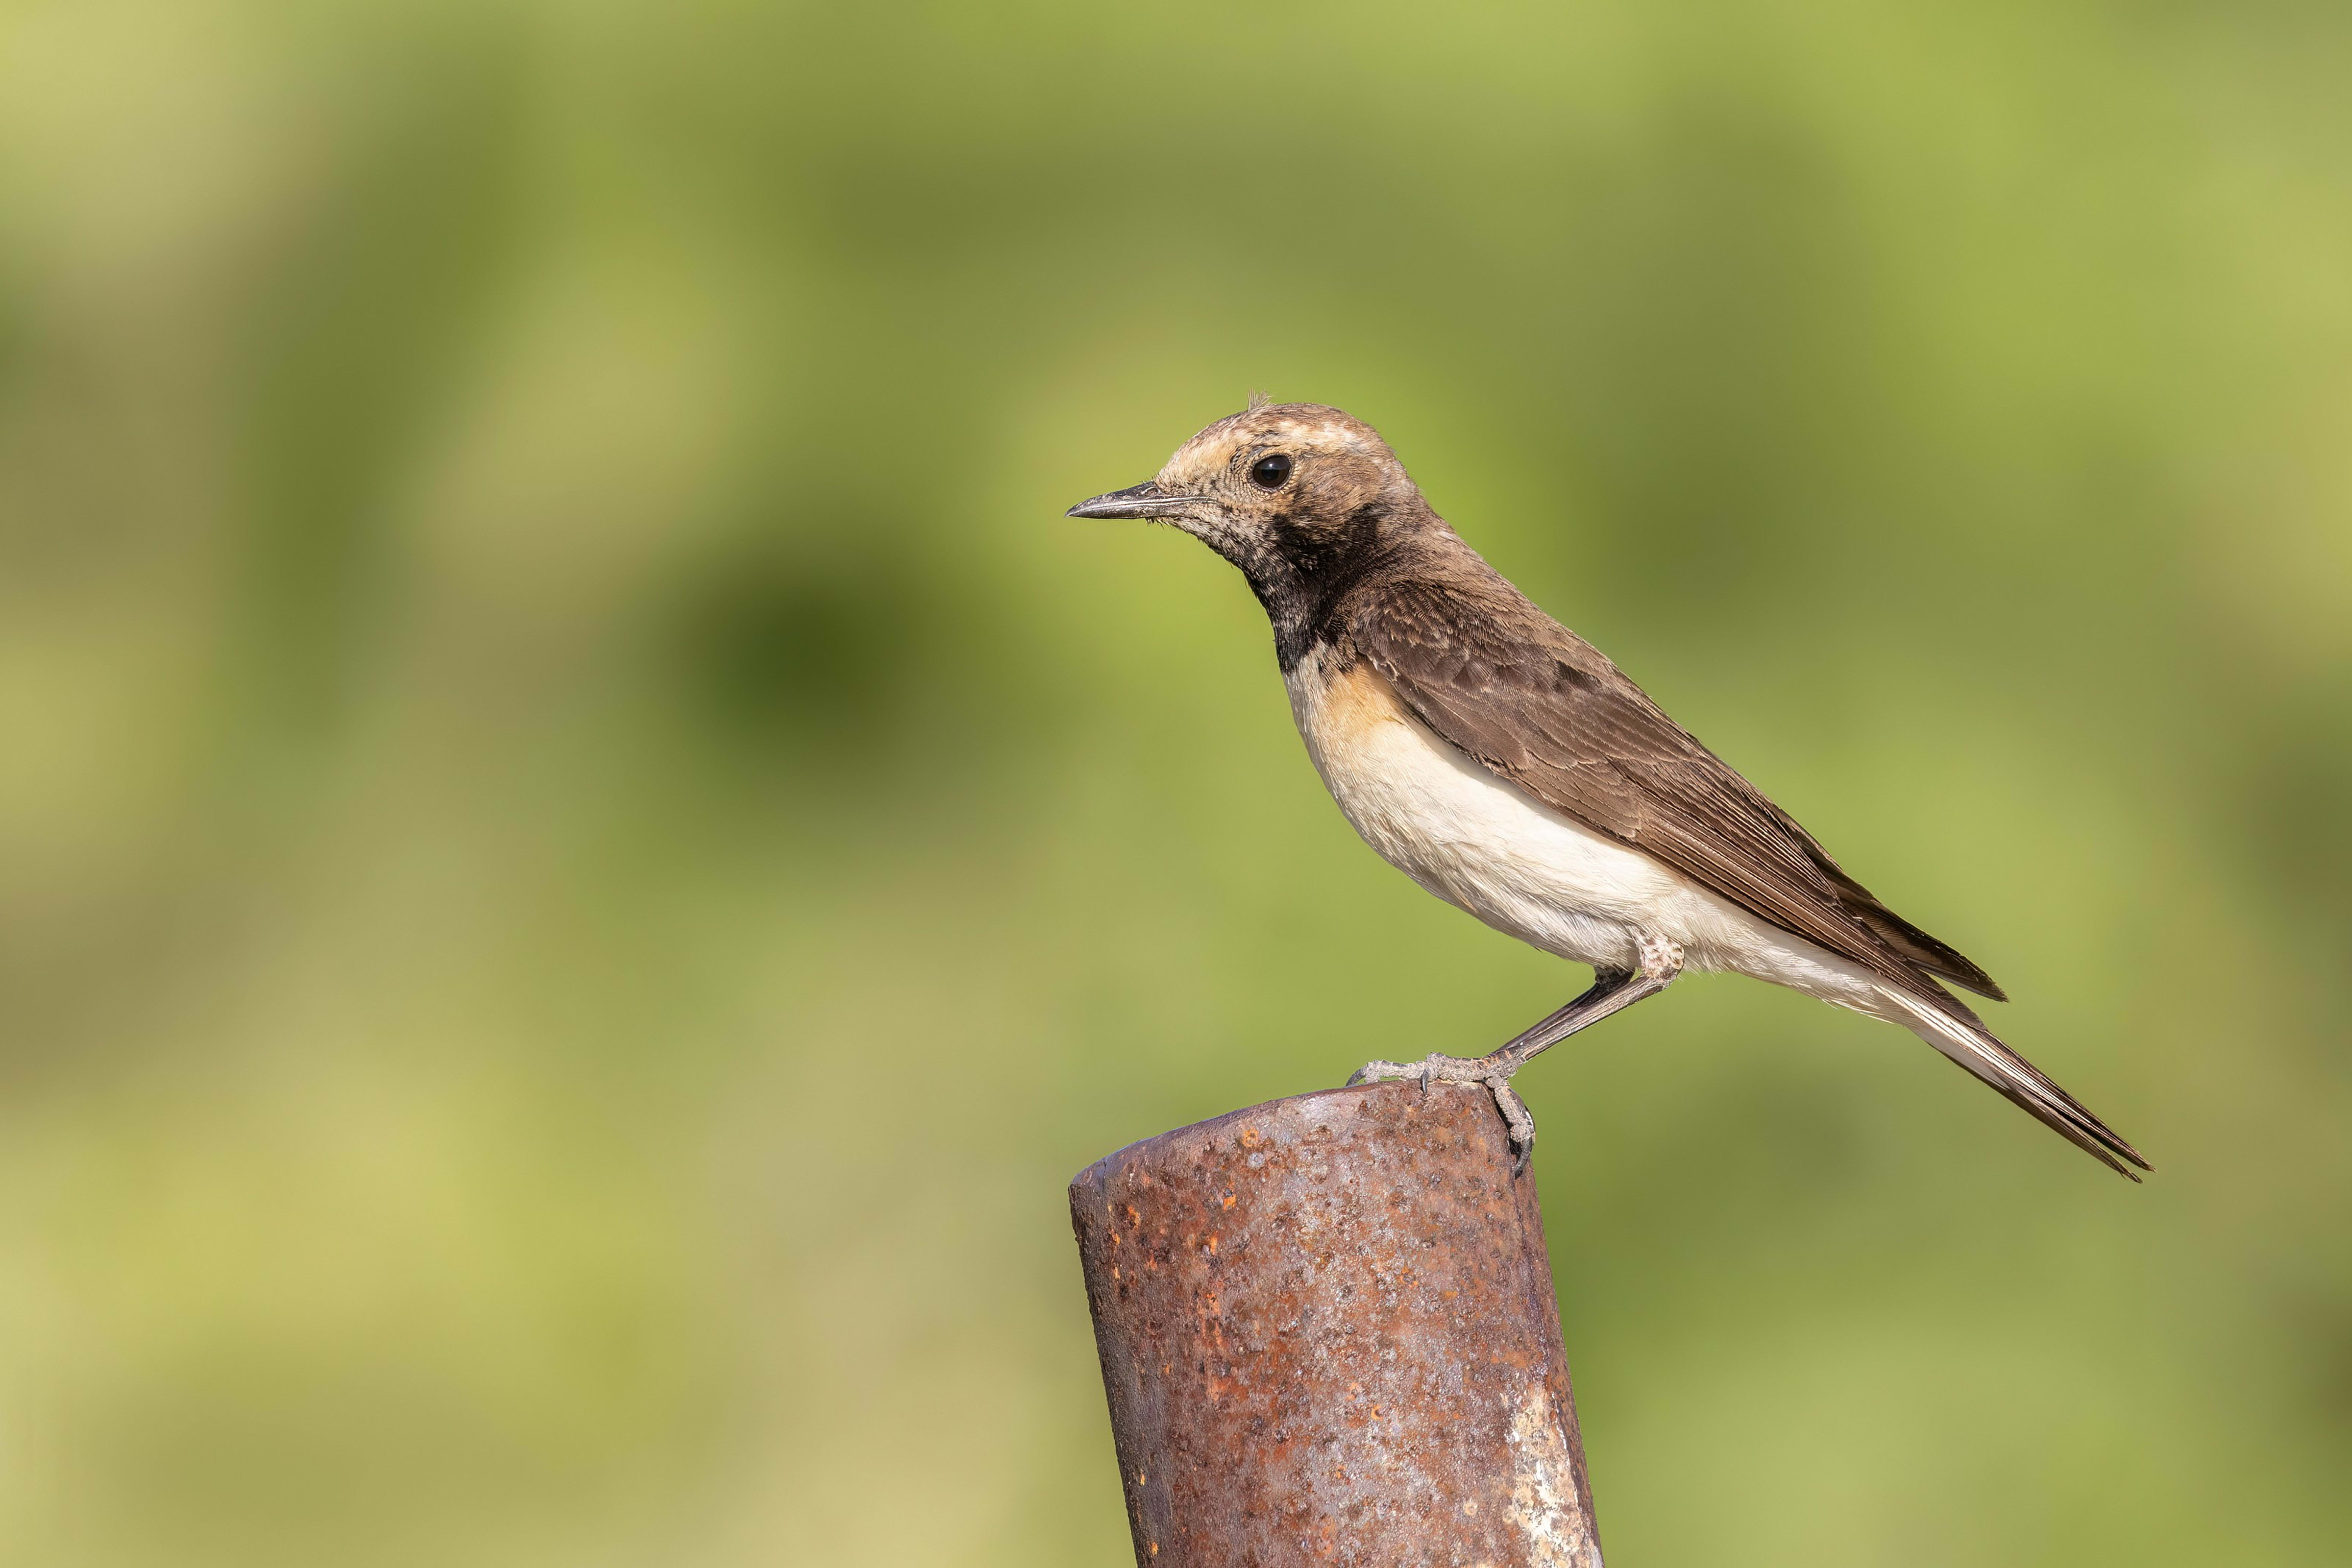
[{"x": 1305, "y": 573}]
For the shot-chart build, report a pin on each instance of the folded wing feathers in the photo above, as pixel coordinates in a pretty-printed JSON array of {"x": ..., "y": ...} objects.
[{"x": 1545, "y": 709}]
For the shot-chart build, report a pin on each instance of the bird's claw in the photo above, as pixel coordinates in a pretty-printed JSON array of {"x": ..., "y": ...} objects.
[
  {"x": 1436, "y": 1068},
  {"x": 1515, "y": 1116}
]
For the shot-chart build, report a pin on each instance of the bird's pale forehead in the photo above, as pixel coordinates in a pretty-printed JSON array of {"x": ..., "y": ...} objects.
[{"x": 1326, "y": 430}]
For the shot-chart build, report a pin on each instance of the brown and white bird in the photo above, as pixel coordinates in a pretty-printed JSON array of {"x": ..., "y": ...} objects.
[{"x": 1500, "y": 761}]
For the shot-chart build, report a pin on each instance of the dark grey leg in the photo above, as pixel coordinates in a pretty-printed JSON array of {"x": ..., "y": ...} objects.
[{"x": 1613, "y": 990}]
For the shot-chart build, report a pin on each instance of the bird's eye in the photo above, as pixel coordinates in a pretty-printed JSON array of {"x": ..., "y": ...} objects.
[{"x": 1268, "y": 472}]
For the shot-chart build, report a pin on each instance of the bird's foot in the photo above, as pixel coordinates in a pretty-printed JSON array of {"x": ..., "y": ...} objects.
[{"x": 1495, "y": 1077}]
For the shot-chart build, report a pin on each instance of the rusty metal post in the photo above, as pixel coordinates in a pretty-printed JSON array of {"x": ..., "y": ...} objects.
[{"x": 1329, "y": 1336}]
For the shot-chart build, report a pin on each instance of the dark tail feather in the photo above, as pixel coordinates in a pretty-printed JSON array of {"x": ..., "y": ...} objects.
[{"x": 1953, "y": 1029}]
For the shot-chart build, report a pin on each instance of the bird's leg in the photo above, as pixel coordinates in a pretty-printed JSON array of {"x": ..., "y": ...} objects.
[{"x": 1613, "y": 990}]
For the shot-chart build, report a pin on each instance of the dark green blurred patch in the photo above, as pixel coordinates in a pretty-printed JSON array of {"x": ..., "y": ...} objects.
[{"x": 783, "y": 659}]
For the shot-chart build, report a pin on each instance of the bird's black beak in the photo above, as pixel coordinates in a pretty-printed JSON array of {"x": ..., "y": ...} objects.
[{"x": 1144, "y": 500}]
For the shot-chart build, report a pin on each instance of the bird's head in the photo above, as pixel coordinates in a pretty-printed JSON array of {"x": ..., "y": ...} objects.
[{"x": 1302, "y": 497}]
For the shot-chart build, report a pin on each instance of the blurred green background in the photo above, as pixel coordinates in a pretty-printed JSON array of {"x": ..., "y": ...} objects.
[{"x": 585, "y": 851}]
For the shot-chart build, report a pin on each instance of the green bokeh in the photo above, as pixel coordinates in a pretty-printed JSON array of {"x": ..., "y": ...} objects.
[{"x": 585, "y": 851}]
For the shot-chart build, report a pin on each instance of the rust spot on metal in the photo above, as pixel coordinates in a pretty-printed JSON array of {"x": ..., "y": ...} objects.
[{"x": 1362, "y": 1364}]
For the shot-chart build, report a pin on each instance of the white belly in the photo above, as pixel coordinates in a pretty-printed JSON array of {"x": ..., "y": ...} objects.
[{"x": 1487, "y": 847}]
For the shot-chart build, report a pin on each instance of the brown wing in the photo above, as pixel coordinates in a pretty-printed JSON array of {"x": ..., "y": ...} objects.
[{"x": 1528, "y": 698}]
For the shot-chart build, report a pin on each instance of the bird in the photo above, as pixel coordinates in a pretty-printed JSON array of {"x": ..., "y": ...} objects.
[{"x": 1504, "y": 764}]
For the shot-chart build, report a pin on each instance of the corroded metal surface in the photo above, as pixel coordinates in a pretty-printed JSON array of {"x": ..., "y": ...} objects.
[{"x": 1328, "y": 1336}]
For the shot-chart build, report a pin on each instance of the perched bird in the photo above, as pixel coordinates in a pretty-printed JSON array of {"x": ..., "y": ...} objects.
[{"x": 1500, "y": 761}]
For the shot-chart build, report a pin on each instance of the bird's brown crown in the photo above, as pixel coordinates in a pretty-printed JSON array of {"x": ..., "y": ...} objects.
[{"x": 1338, "y": 462}]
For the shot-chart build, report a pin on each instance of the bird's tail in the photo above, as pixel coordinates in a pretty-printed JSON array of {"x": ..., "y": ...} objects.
[{"x": 1951, "y": 1028}]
